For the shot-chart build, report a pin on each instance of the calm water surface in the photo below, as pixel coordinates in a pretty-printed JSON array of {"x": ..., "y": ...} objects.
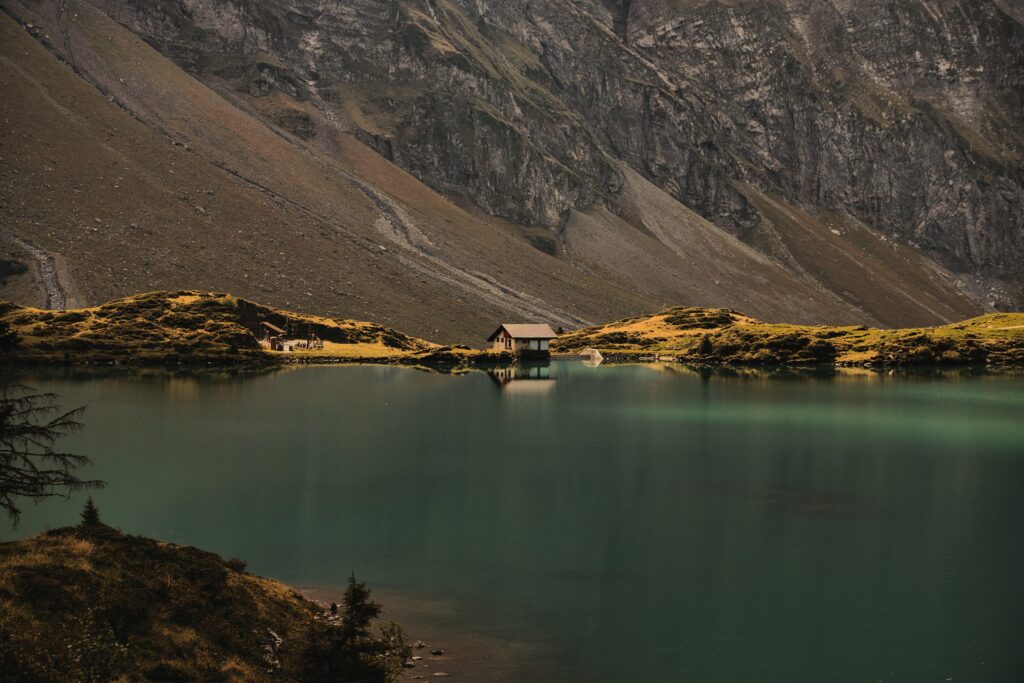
[{"x": 604, "y": 524}]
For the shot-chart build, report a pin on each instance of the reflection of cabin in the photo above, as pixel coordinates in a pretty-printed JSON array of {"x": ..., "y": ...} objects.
[
  {"x": 276, "y": 339},
  {"x": 523, "y": 379},
  {"x": 530, "y": 339}
]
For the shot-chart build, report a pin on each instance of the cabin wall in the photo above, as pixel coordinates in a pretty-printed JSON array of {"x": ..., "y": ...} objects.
[
  {"x": 504, "y": 342},
  {"x": 531, "y": 345},
  {"x": 501, "y": 342}
]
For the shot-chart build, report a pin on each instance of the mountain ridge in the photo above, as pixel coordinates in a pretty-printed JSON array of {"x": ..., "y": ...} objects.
[{"x": 294, "y": 101}]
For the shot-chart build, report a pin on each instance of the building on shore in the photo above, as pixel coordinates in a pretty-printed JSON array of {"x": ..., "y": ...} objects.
[
  {"x": 272, "y": 337},
  {"x": 276, "y": 339},
  {"x": 533, "y": 339}
]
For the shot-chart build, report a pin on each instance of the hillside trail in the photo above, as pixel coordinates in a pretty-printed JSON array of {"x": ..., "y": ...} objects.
[
  {"x": 65, "y": 31},
  {"x": 49, "y": 273}
]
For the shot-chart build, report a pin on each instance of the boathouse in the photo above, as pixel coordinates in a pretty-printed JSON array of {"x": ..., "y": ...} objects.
[{"x": 524, "y": 339}]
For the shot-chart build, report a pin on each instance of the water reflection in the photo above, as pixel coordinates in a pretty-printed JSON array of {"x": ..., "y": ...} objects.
[{"x": 524, "y": 378}]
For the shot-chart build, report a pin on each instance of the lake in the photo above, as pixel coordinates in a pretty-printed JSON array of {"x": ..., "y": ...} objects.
[{"x": 624, "y": 523}]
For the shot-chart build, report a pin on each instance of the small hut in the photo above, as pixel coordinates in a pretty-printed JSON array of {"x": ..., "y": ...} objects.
[
  {"x": 530, "y": 339},
  {"x": 276, "y": 339},
  {"x": 273, "y": 336}
]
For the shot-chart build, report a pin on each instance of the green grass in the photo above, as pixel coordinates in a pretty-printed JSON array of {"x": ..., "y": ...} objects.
[
  {"x": 192, "y": 327},
  {"x": 724, "y": 336},
  {"x": 196, "y": 327}
]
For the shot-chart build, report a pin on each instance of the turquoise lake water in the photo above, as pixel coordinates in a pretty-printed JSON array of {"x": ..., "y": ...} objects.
[{"x": 628, "y": 523}]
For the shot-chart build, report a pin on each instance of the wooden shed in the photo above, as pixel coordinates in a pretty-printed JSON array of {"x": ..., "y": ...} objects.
[
  {"x": 272, "y": 336},
  {"x": 523, "y": 338}
]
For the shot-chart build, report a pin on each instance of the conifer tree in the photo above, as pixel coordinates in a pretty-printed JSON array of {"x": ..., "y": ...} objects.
[
  {"x": 359, "y": 611},
  {"x": 90, "y": 513},
  {"x": 29, "y": 467}
]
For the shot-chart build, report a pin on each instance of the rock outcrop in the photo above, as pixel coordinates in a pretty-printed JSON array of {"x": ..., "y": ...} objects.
[{"x": 907, "y": 116}]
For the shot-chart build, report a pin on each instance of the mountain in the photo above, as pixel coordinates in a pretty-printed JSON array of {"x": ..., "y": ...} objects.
[{"x": 440, "y": 165}]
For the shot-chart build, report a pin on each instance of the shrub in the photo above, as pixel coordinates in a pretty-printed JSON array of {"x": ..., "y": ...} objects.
[
  {"x": 236, "y": 564},
  {"x": 705, "y": 348}
]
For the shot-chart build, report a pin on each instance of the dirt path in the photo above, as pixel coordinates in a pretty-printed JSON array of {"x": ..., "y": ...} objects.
[
  {"x": 49, "y": 273},
  {"x": 65, "y": 31}
]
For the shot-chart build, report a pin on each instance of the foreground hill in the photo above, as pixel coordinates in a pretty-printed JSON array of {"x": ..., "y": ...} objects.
[
  {"x": 441, "y": 166},
  {"x": 716, "y": 335},
  {"x": 202, "y": 327},
  {"x": 92, "y": 604}
]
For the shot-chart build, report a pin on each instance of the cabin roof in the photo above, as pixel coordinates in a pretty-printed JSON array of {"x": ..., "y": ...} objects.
[
  {"x": 525, "y": 331},
  {"x": 272, "y": 328}
]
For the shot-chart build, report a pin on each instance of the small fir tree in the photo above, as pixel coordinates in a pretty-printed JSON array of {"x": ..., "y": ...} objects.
[
  {"x": 90, "y": 513},
  {"x": 359, "y": 611},
  {"x": 30, "y": 468}
]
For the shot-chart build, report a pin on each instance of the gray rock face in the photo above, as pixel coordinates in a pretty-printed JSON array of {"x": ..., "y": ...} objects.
[{"x": 905, "y": 116}]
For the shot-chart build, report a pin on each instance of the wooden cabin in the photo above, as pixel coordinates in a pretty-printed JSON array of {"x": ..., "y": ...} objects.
[
  {"x": 533, "y": 339},
  {"x": 276, "y": 339}
]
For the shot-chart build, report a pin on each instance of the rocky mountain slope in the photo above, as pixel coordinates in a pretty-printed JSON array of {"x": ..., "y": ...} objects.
[{"x": 440, "y": 164}]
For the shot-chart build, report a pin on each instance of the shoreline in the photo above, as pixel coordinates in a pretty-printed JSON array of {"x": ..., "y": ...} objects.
[
  {"x": 196, "y": 328},
  {"x": 438, "y": 360},
  {"x": 434, "y": 622},
  {"x": 611, "y": 359}
]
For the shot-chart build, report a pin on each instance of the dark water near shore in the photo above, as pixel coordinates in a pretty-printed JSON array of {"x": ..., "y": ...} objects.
[{"x": 611, "y": 524}]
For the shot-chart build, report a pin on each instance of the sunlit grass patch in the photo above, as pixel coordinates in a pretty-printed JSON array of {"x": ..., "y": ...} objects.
[{"x": 723, "y": 336}]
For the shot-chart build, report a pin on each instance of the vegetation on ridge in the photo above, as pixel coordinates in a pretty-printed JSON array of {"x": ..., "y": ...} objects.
[
  {"x": 89, "y": 603},
  {"x": 712, "y": 335},
  {"x": 204, "y": 327},
  {"x": 192, "y": 326}
]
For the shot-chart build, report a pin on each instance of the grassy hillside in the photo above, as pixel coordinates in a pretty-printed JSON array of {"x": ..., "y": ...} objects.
[
  {"x": 190, "y": 326},
  {"x": 202, "y": 327},
  {"x": 720, "y": 335},
  {"x": 92, "y": 604}
]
